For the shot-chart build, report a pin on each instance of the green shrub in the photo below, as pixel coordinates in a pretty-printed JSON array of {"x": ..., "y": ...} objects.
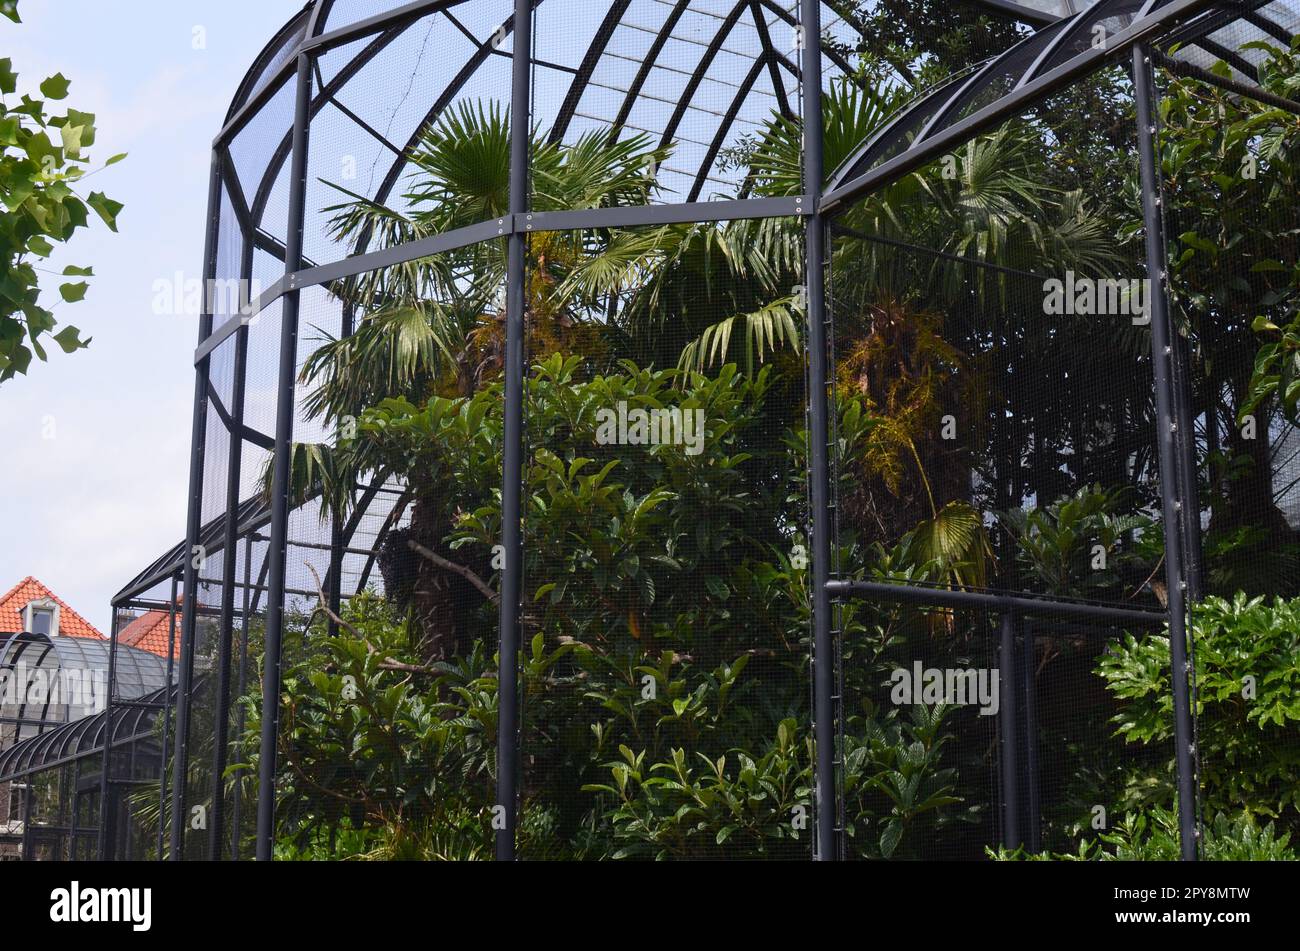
[
  {"x": 1247, "y": 655},
  {"x": 1153, "y": 837},
  {"x": 664, "y": 677}
]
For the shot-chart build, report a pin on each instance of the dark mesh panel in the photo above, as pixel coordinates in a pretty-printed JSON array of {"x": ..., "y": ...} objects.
[
  {"x": 989, "y": 440},
  {"x": 665, "y": 684},
  {"x": 972, "y": 335},
  {"x": 920, "y": 777},
  {"x": 1082, "y": 776},
  {"x": 1231, "y": 224},
  {"x": 367, "y": 571}
]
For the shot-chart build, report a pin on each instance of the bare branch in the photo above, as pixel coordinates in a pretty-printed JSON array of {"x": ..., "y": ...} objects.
[
  {"x": 386, "y": 663},
  {"x": 325, "y": 608},
  {"x": 484, "y": 588}
]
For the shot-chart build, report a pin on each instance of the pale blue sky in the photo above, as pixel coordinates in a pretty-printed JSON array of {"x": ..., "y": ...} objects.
[{"x": 87, "y": 509}]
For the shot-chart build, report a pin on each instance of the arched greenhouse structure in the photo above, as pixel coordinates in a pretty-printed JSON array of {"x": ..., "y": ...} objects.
[{"x": 734, "y": 429}]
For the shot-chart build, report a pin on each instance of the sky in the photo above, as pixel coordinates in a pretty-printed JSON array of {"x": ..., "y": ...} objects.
[{"x": 94, "y": 446}]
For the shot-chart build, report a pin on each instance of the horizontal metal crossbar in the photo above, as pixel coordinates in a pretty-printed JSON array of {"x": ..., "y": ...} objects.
[
  {"x": 688, "y": 213},
  {"x": 245, "y": 317},
  {"x": 540, "y": 221},
  {"x": 995, "y": 601}
]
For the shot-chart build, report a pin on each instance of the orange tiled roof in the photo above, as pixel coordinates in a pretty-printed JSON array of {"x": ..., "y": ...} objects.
[
  {"x": 149, "y": 632},
  {"x": 71, "y": 624}
]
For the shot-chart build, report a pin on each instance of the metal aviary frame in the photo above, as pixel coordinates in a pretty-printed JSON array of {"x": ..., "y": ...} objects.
[{"x": 816, "y": 206}]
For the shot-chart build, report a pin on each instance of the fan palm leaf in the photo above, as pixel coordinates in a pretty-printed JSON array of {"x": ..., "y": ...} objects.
[{"x": 765, "y": 330}]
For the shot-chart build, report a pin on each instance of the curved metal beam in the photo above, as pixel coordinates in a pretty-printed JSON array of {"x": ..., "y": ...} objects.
[
  {"x": 1274, "y": 30},
  {"x": 1050, "y": 36},
  {"x": 648, "y": 64},
  {"x": 319, "y": 17},
  {"x": 693, "y": 85},
  {"x": 1071, "y": 28},
  {"x": 773, "y": 60},
  {"x": 263, "y": 61},
  {"x": 849, "y": 168},
  {"x": 589, "y": 63},
  {"x": 1176, "y": 11}
]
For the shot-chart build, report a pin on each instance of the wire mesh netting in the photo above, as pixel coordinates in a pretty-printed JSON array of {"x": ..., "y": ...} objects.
[
  {"x": 695, "y": 81},
  {"x": 1079, "y": 776},
  {"x": 665, "y": 684},
  {"x": 1232, "y": 225},
  {"x": 392, "y": 110},
  {"x": 995, "y": 433},
  {"x": 919, "y": 747}
]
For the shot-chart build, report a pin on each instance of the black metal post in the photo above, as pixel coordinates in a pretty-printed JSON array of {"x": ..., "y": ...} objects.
[
  {"x": 1007, "y": 723},
  {"x": 27, "y": 818},
  {"x": 1029, "y": 677},
  {"x": 106, "y": 819},
  {"x": 1166, "y": 424},
  {"x": 512, "y": 474},
  {"x": 1180, "y": 360},
  {"x": 819, "y": 436},
  {"x": 1189, "y": 476},
  {"x": 338, "y": 541},
  {"x": 194, "y": 518},
  {"x": 168, "y": 694},
  {"x": 71, "y": 814},
  {"x": 334, "y": 573},
  {"x": 278, "y": 549},
  {"x": 229, "y": 565},
  {"x": 236, "y": 806}
]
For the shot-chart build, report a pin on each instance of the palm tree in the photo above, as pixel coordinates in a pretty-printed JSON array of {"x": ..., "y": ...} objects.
[
  {"x": 435, "y": 326},
  {"x": 918, "y": 268}
]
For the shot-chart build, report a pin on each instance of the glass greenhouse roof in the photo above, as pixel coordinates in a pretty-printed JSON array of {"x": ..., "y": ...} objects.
[
  {"x": 46, "y": 681},
  {"x": 81, "y": 738}
]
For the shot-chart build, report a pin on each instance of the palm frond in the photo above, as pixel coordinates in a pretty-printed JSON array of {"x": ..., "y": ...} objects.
[
  {"x": 765, "y": 330},
  {"x": 851, "y": 115},
  {"x": 398, "y": 350}
]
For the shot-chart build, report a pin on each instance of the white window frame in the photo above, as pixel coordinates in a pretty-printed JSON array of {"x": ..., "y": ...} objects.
[{"x": 42, "y": 604}]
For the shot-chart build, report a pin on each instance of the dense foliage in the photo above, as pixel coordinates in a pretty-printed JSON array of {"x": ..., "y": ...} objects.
[
  {"x": 660, "y": 722},
  {"x": 980, "y": 440},
  {"x": 1248, "y": 703},
  {"x": 1247, "y": 654},
  {"x": 1230, "y": 169}
]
